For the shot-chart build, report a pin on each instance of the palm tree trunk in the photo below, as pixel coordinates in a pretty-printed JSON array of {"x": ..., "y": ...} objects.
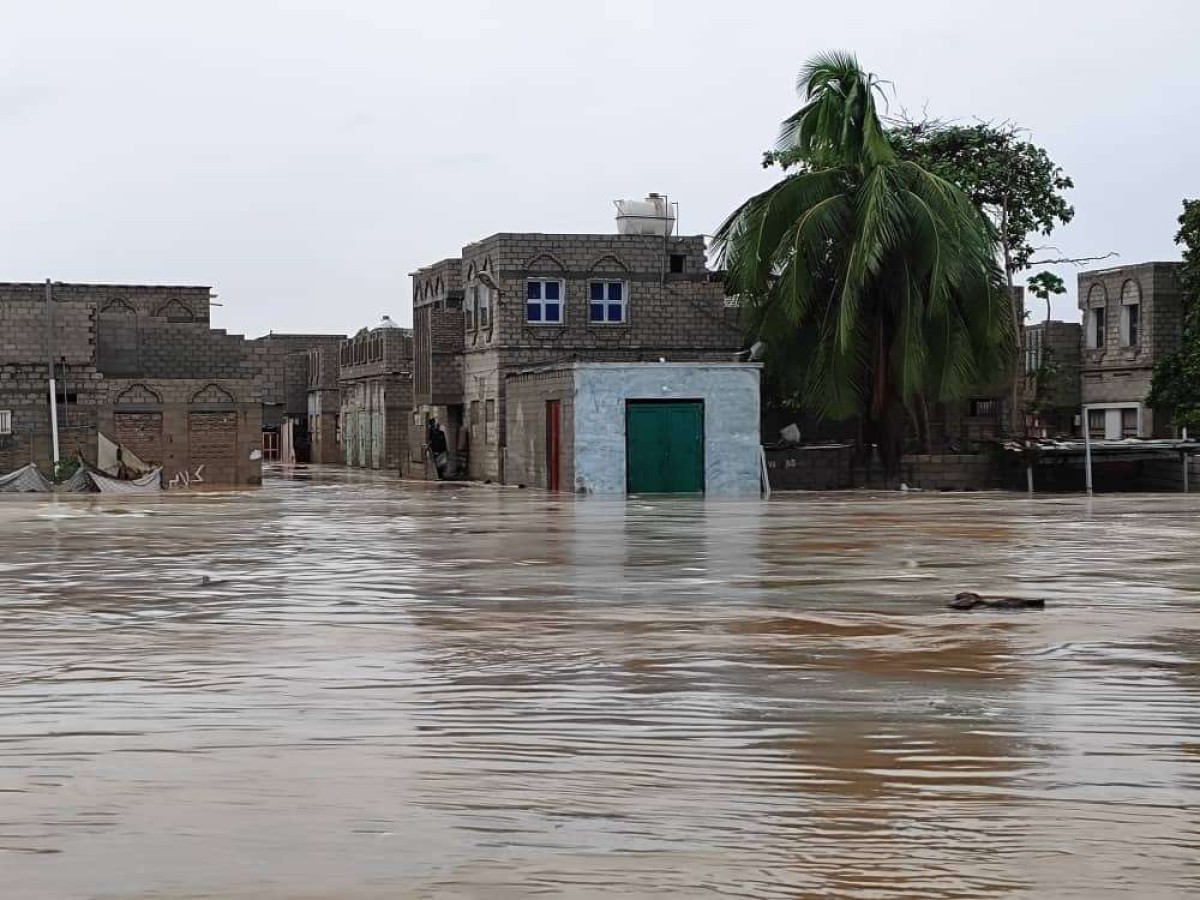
[
  {"x": 1015, "y": 423},
  {"x": 890, "y": 428}
]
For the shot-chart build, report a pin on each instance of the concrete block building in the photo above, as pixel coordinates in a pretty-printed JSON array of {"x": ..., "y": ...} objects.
[
  {"x": 1132, "y": 315},
  {"x": 610, "y": 428},
  {"x": 375, "y": 375},
  {"x": 438, "y": 335},
  {"x": 323, "y": 401},
  {"x": 1050, "y": 360},
  {"x": 137, "y": 363},
  {"x": 529, "y": 301}
]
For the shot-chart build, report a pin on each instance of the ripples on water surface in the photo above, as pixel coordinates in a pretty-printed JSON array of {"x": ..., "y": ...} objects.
[{"x": 406, "y": 690}]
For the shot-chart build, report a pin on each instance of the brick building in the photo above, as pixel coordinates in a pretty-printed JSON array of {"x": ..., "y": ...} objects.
[
  {"x": 1132, "y": 315},
  {"x": 527, "y": 301},
  {"x": 375, "y": 375},
  {"x": 138, "y": 363}
]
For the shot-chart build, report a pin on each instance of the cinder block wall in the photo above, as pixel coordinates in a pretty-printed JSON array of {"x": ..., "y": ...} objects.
[
  {"x": 678, "y": 316},
  {"x": 24, "y": 377},
  {"x": 188, "y": 426},
  {"x": 525, "y": 456},
  {"x": 180, "y": 303},
  {"x": 141, "y": 363},
  {"x": 283, "y": 360}
]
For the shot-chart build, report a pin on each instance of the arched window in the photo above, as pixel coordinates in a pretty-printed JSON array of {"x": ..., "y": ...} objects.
[
  {"x": 1131, "y": 314},
  {"x": 1095, "y": 322}
]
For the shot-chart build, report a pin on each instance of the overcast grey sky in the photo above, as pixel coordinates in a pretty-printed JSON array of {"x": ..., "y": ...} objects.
[{"x": 303, "y": 157}]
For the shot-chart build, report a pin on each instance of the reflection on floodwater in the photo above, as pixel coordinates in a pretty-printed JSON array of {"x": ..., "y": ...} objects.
[{"x": 443, "y": 690}]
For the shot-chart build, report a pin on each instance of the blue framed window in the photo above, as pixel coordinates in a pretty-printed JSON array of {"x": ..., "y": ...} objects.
[
  {"x": 544, "y": 301},
  {"x": 607, "y": 302}
]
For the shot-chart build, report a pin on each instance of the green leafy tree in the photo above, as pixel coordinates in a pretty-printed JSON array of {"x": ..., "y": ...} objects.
[
  {"x": 1175, "y": 387},
  {"x": 1044, "y": 286},
  {"x": 873, "y": 281}
]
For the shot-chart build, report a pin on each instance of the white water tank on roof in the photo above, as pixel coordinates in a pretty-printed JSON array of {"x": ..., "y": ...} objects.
[{"x": 654, "y": 215}]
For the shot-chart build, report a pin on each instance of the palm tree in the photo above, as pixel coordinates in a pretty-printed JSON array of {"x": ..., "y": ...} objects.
[{"x": 873, "y": 282}]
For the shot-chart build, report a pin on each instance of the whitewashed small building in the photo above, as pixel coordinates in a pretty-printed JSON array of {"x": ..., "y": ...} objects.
[{"x": 638, "y": 428}]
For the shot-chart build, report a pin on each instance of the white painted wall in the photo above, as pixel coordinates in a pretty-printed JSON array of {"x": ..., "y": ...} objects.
[{"x": 730, "y": 392}]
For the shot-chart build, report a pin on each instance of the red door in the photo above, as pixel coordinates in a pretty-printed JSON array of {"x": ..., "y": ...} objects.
[{"x": 553, "y": 444}]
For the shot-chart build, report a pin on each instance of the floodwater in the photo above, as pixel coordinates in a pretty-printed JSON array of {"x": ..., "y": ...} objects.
[{"x": 402, "y": 690}]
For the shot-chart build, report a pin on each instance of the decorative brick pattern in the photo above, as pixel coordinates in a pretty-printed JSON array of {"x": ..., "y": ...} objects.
[
  {"x": 678, "y": 316},
  {"x": 1115, "y": 373},
  {"x": 212, "y": 441},
  {"x": 130, "y": 372},
  {"x": 142, "y": 433}
]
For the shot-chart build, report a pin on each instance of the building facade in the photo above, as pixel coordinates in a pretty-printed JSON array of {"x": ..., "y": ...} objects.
[
  {"x": 646, "y": 427},
  {"x": 375, "y": 378},
  {"x": 537, "y": 300},
  {"x": 136, "y": 363},
  {"x": 324, "y": 404},
  {"x": 1132, "y": 316},
  {"x": 438, "y": 334},
  {"x": 1050, "y": 360},
  {"x": 288, "y": 378}
]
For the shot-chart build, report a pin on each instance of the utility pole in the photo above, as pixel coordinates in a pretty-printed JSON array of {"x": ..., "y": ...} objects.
[{"x": 50, "y": 372}]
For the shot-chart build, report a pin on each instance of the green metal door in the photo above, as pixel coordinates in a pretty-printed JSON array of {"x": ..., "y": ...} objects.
[{"x": 664, "y": 446}]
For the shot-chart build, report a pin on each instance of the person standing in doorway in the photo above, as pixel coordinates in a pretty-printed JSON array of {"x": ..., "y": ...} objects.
[{"x": 438, "y": 449}]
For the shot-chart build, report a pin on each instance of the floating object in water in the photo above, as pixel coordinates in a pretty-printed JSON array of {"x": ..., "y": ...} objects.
[
  {"x": 970, "y": 600},
  {"x": 205, "y": 581}
]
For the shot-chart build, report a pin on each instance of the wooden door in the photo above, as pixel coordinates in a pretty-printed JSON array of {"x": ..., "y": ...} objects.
[
  {"x": 553, "y": 445},
  {"x": 664, "y": 447}
]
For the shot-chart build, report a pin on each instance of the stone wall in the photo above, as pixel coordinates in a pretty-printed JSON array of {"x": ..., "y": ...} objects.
[{"x": 525, "y": 455}]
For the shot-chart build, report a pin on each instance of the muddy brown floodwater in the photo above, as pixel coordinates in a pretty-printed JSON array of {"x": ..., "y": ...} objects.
[{"x": 403, "y": 690}]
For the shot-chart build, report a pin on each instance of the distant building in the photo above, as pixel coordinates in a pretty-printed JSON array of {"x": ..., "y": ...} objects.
[
  {"x": 1132, "y": 316},
  {"x": 324, "y": 404},
  {"x": 1050, "y": 360},
  {"x": 286, "y": 361},
  {"x": 375, "y": 377},
  {"x": 524, "y": 302}
]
